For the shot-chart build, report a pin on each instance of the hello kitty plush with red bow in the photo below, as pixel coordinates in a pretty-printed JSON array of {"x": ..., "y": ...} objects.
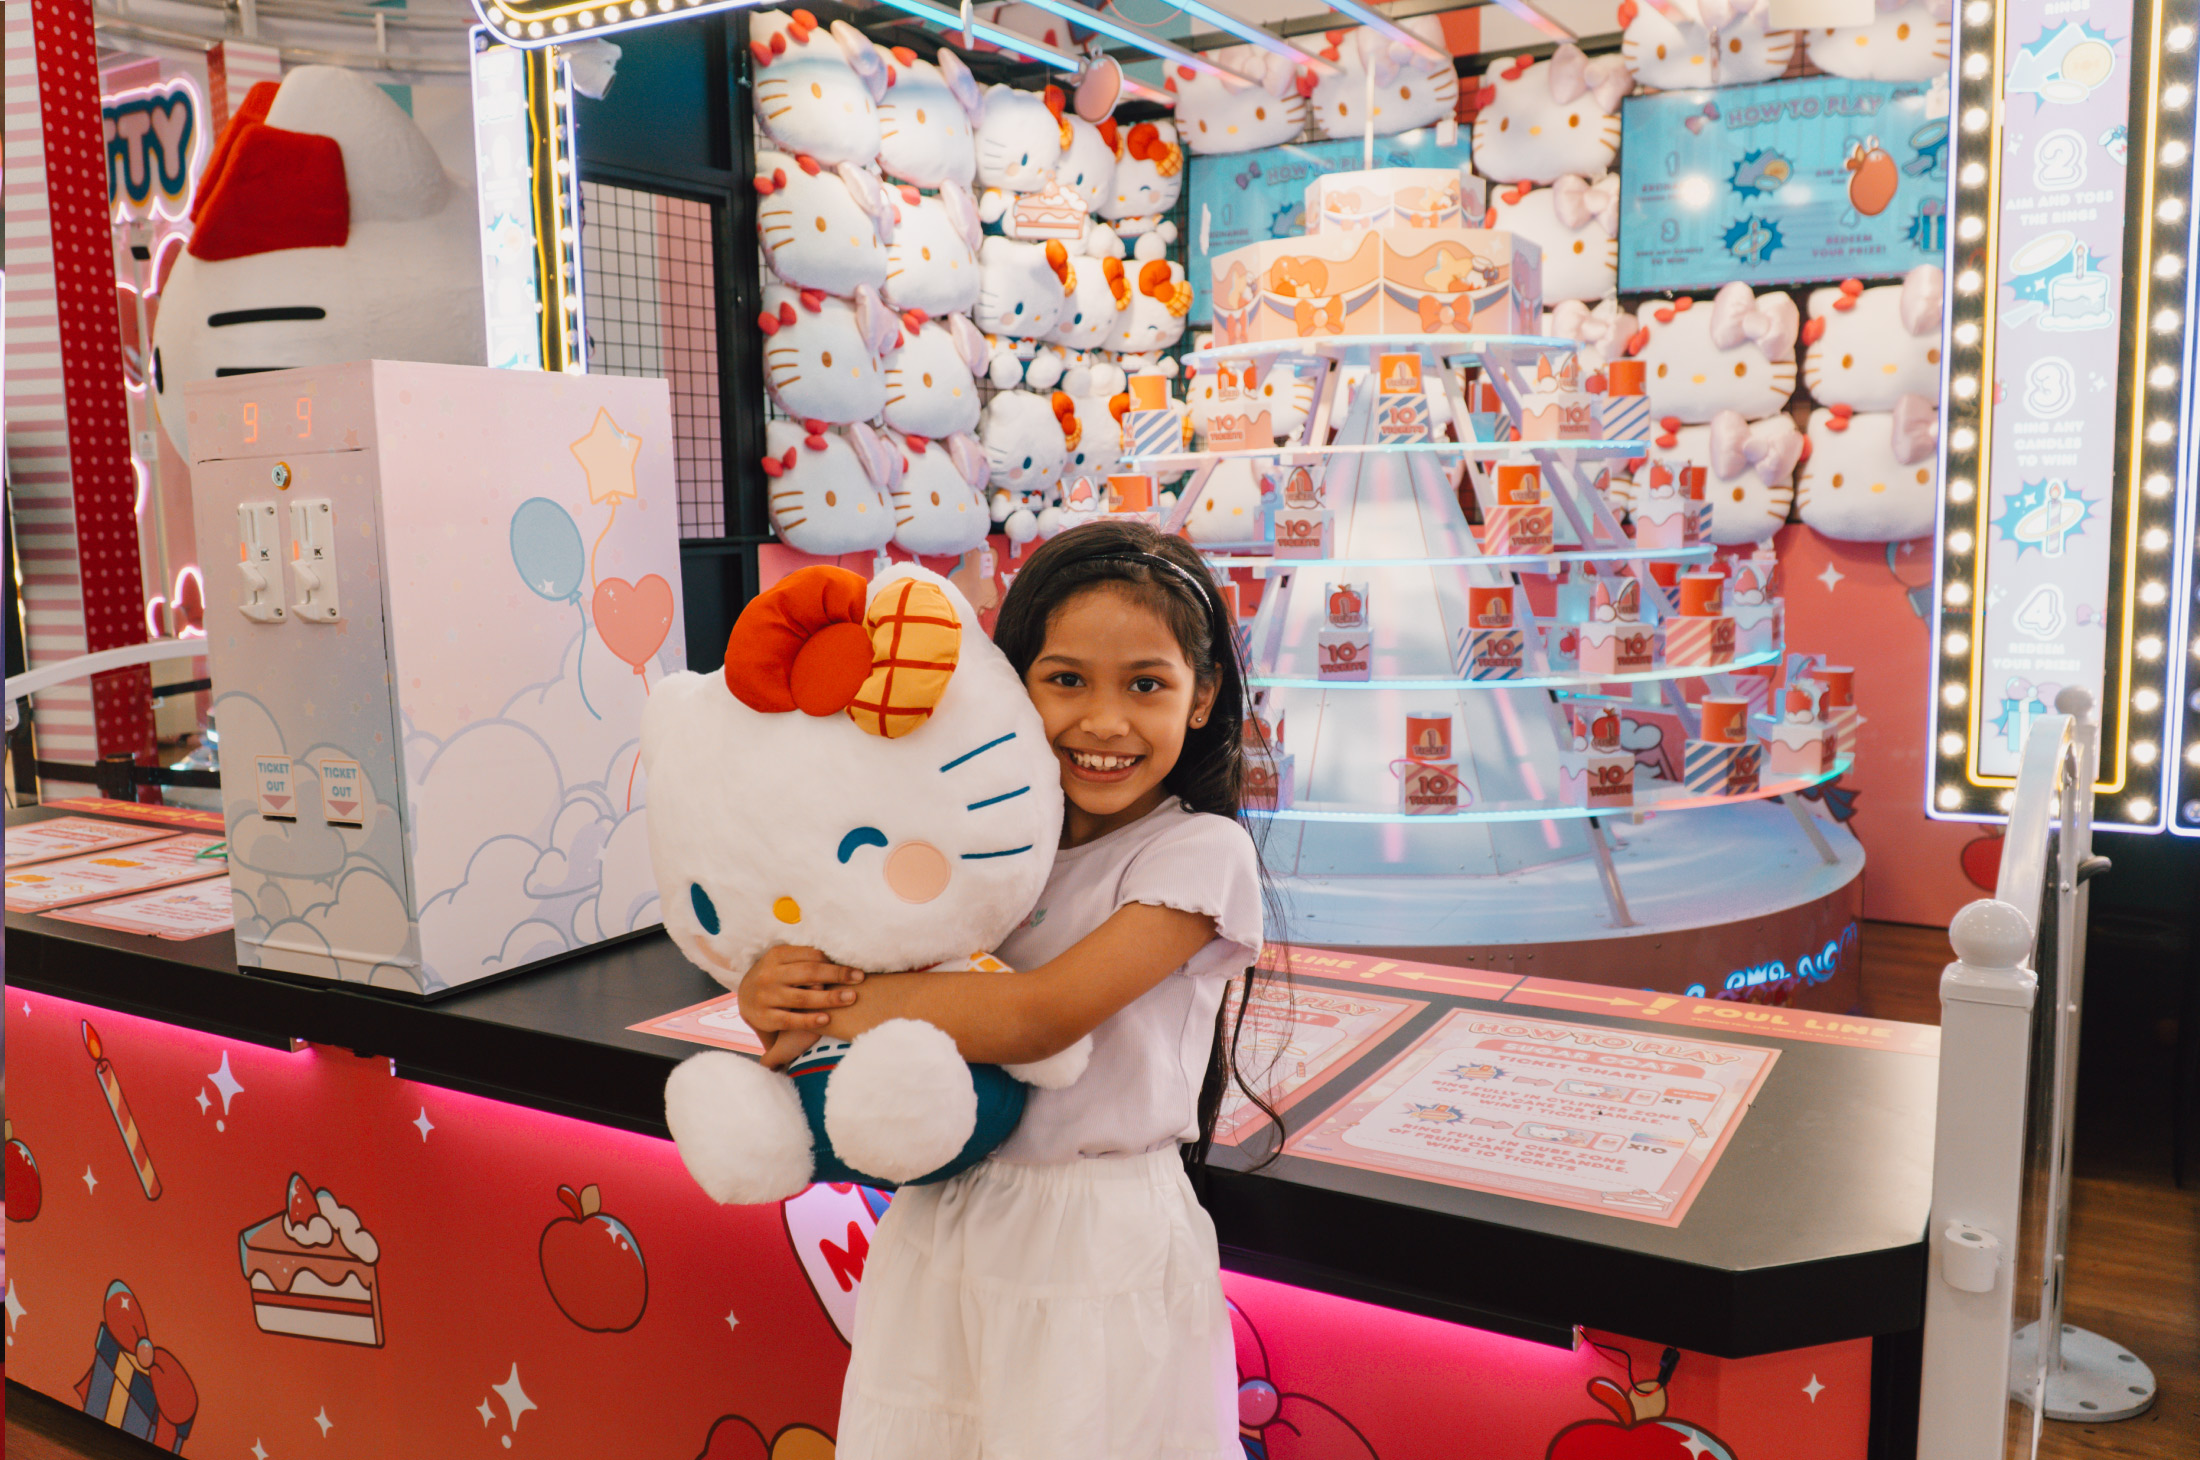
[
  {"x": 1601, "y": 331},
  {"x": 1865, "y": 348},
  {"x": 1906, "y": 41},
  {"x": 939, "y": 505},
  {"x": 928, "y": 120},
  {"x": 1689, "y": 44},
  {"x": 1257, "y": 99},
  {"x": 822, "y": 228},
  {"x": 1414, "y": 85},
  {"x": 821, "y": 354},
  {"x": 1022, "y": 288},
  {"x": 817, "y": 88},
  {"x": 932, "y": 371},
  {"x": 1020, "y": 139},
  {"x": 828, "y": 489},
  {"x": 1750, "y": 471},
  {"x": 1733, "y": 352},
  {"x": 932, "y": 261},
  {"x": 1155, "y": 319},
  {"x": 1872, "y": 476},
  {"x": 1149, "y": 177},
  {"x": 1100, "y": 292},
  {"x": 1543, "y": 120},
  {"x": 1027, "y": 439},
  {"x": 1576, "y": 224}
]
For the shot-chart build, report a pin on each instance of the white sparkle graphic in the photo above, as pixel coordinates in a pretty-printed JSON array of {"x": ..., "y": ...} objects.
[
  {"x": 1831, "y": 576},
  {"x": 516, "y": 1402},
  {"x": 732, "y": 1321},
  {"x": 1814, "y": 1388},
  {"x": 26, "y": 1008},
  {"x": 257, "y": 1452},
  {"x": 90, "y": 1181},
  {"x": 423, "y": 1125},
  {"x": 1696, "y": 1448},
  {"x": 16, "y": 1310},
  {"x": 203, "y": 1101},
  {"x": 485, "y": 1412},
  {"x": 225, "y": 1082},
  {"x": 324, "y": 1422}
]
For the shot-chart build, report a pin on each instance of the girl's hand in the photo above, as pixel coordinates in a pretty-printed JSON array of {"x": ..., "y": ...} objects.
[
  {"x": 790, "y": 990},
  {"x": 784, "y": 1048}
]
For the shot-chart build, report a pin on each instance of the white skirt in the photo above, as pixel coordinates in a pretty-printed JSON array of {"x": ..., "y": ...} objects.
[{"x": 1058, "y": 1312}]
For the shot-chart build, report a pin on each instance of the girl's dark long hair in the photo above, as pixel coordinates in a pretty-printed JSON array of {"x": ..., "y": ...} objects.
[{"x": 1168, "y": 574}]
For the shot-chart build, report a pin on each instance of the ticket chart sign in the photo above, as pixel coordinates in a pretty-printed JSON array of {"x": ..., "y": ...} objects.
[
  {"x": 2048, "y": 524},
  {"x": 1294, "y": 1040},
  {"x": 1788, "y": 182},
  {"x": 1623, "y": 1122}
]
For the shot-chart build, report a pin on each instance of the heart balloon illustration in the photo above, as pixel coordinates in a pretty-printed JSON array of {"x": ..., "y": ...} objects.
[{"x": 633, "y": 618}]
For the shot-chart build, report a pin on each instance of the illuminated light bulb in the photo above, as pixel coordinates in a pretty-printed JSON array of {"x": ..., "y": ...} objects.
[
  {"x": 571, "y": 303},
  {"x": 565, "y": 235},
  {"x": 1950, "y": 798},
  {"x": 2174, "y": 154},
  {"x": 638, "y": 9},
  {"x": 1973, "y": 174},
  {"x": 1957, "y": 643},
  {"x": 2175, "y": 97},
  {"x": 2148, "y": 648},
  {"x": 2154, "y": 539},
  {"x": 1963, "y": 438},
  {"x": 1978, "y": 13},
  {"x": 1961, "y": 491},
  {"x": 2006, "y": 800},
  {"x": 2169, "y": 266},
  {"x": 586, "y": 20},
  {"x": 1968, "y": 281},
  {"x": 1958, "y": 594},
  {"x": 2140, "y": 807},
  {"x": 534, "y": 29},
  {"x": 2166, "y": 322},
  {"x": 2162, "y": 377},
  {"x": 2146, "y": 700},
  {"x": 1959, "y": 542},
  {"x": 2157, "y": 485},
  {"x": 1970, "y": 228},
  {"x": 2179, "y": 38},
  {"x": 558, "y": 25},
  {"x": 663, "y": 6},
  {"x": 2143, "y": 752},
  {"x": 1974, "y": 65},
  {"x": 1967, "y": 334},
  {"x": 610, "y": 13},
  {"x": 2161, "y": 433},
  {"x": 2153, "y": 594},
  {"x": 1964, "y": 386},
  {"x": 2192, "y": 755},
  {"x": 1952, "y": 744},
  {"x": 1953, "y": 696},
  {"x": 1974, "y": 119}
]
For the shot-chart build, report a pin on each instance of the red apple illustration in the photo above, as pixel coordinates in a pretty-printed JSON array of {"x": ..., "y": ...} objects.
[
  {"x": 24, "y": 1193},
  {"x": 1638, "y": 1430},
  {"x": 593, "y": 1266}
]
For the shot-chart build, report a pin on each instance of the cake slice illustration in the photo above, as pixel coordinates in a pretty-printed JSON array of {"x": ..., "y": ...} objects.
[{"x": 312, "y": 1270}]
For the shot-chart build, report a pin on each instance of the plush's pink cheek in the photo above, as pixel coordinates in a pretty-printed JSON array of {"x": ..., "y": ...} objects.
[{"x": 917, "y": 871}]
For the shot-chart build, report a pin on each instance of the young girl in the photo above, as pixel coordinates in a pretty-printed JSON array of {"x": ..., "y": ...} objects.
[{"x": 1064, "y": 1297}]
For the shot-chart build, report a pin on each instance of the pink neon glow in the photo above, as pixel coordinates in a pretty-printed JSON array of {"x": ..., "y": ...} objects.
[
  {"x": 159, "y": 206},
  {"x": 155, "y": 607}
]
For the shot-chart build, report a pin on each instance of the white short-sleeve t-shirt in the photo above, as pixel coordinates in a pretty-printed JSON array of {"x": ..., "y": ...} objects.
[{"x": 1141, "y": 1091}]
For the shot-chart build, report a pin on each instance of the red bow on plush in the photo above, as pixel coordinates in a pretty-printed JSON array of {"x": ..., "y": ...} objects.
[{"x": 267, "y": 188}]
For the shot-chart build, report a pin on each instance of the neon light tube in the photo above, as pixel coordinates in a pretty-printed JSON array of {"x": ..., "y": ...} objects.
[
  {"x": 993, "y": 35},
  {"x": 1383, "y": 25},
  {"x": 1094, "y": 20},
  {"x": 1276, "y": 45}
]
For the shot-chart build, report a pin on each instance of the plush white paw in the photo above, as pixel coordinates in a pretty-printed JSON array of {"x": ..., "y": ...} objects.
[
  {"x": 740, "y": 1129},
  {"x": 1044, "y": 371},
  {"x": 1150, "y": 246},
  {"x": 901, "y": 1102},
  {"x": 1056, "y": 1071},
  {"x": 1006, "y": 371}
]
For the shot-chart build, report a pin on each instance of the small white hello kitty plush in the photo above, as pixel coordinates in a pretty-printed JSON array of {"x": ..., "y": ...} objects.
[
  {"x": 928, "y": 120},
  {"x": 1100, "y": 294},
  {"x": 1149, "y": 177},
  {"x": 1707, "y": 43},
  {"x": 1601, "y": 331},
  {"x": 1099, "y": 448},
  {"x": 1228, "y": 509},
  {"x": 1258, "y": 101},
  {"x": 1576, "y": 224},
  {"x": 817, "y": 89},
  {"x": 822, "y": 229},
  {"x": 1155, "y": 319},
  {"x": 1413, "y": 88},
  {"x": 1087, "y": 165},
  {"x": 1027, "y": 440},
  {"x": 1543, "y": 120},
  {"x": 1022, "y": 287},
  {"x": 939, "y": 508},
  {"x": 1257, "y": 403},
  {"x": 821, "y": 353},
  {"x": 1866, "y": 348},
  {"x": 1020, "y": 141},
  {"x": 829, "y": 489},
  {"x": 1734, "y": 352},
  {"x": 1872, "y": 477},
  {"x": 932, "y": 376},
  {"x": 1904, "y": 42},
  {"x": 932, "y": 263},
  {"x": 866, "y": 775},
  {"x": 1751, "y": 472}
]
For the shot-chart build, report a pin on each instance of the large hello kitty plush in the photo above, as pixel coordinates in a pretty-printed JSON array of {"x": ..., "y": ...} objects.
[
  {"x": 1258, "y": 100},
  {"x": 1750, "y": 472},
  {"x": 939, "y": 508},
  {"x": 1904, "y": 42},
  {"x": 1866, "y": 348},
  {"x": 868, "y": 777},
  {"x": 326, "y": 229},
  {"x": 822, "y": 228},
  {"x": 1020, "y": 140},
  {"x": 828, "y": 489},
  {"x": 1575, "y": 223},
  {"x": 1022, "y": 287},
  {"x": 1872, "y": 477},
  {"x": 1411, "y": 87},
  {"x": 821, "y": 354},
  {"x": 932, "y": 374},
  {"x": 1149, "y": 177},
  {"x": 1155, "y": 319},
  {"x": 817, "y": 88},
  {"x": 1544, "y": 120},
  {"x": 1702, "y": 43},
  {"x": 932, "y": 261},
  {"x": 1734, "y": 352},
  {"x": 928, "y": 120}
]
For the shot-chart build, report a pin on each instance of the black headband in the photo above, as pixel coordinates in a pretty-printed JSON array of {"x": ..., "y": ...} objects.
[{"x": 1208, "y": 598}]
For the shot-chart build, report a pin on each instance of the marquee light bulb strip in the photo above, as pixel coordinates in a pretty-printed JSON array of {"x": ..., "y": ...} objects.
[
  {"x": 531, "y": 23},
  {"x": 2129, "y": 499},
  {"x": 2182, "y": 762}
]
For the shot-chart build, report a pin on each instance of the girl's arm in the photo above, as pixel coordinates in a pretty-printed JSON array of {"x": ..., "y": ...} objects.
[{"x": 1028, "y": 1014}]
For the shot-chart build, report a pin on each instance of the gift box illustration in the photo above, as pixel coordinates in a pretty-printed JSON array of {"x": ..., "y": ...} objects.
[
  {"x": 1405, "y": 197},
  {"x": 1344, "y": 654},
  {"x": 1614, "y": 640},
  {"x": 1801, "y": 744},
  {"x": 1701, "y": 634},
  {"x": 1518, "y": 531},
  {"x": 1486, "y": 412},
  {"x": 1598, "y": 773},
  {"x": 1664, "y": 518},
  {"x": 1757, "y": 615},
  {"x": 1269, "y": 781},
  {"x": 1714, "y": 768},
  {"x": 1623, "y": 409},
  {"x": 1154, "y": 427},
  {"x": 1303, "y": 532},
  {"x": 1401, "y": 401},
  {"x": 1394, "y": 281},
  {"x": 1555, "y": 406},
  {"x": 313, "y": 1270},
  {"x": 134, "y": 1385},
  {"x": 1429, "y": 787}
]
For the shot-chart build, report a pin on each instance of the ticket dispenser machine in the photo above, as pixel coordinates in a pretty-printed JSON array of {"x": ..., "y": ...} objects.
[{"x": 437, "y": 599}]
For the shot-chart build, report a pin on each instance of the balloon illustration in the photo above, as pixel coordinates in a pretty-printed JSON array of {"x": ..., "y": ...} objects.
[
  {"x": 547, "y": 550},
  {"x": 633, "y": 618}
]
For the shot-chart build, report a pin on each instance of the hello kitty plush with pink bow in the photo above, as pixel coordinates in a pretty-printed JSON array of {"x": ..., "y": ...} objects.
[
  {"x": 932, "y": 261},
  {"x": 817, "y": 89},
  {"x": 939, "y": 506},
  {"x": 1601, "y": 330},
  {"x": 1258, "y": 99},
  {"x": 1149, "y": 177},
  {"x": 1872, "y": 476},
  {"x": 1575, "y": 223},
  {"x": 822, "y": 228},
  {"x": 1542, "y": 120},
  {"x": 1864, "y": 348},
  {"x": 821, "y": 354},
  {"x": 1733, "y": 352},
  {"x": 1904, "y": 42},
  {"x": 928, "y": 120},
  {"x": 1414, "y": 85},
  {"x": 828, "y": 489},
  {"x": 1750, "y": 472},
  {"x": 1702, "y": 43},
  {"x": 932, "y": 372}
]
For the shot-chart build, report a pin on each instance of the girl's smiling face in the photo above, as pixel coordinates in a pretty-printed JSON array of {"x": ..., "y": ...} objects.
[{"x": 1116, "y": 695}]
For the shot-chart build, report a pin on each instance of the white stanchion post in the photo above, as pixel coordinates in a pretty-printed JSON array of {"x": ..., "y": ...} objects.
[{"x": 1978, "y": 1162}]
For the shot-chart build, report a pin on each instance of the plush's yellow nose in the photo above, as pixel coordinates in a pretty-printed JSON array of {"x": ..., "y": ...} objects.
[{"x": 787, "y": 910}]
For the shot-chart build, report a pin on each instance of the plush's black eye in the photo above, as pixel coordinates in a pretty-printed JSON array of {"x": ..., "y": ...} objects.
[{"x": 706, "y": 911}]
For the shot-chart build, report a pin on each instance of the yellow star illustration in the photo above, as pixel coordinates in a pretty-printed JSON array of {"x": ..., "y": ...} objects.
[{"x": 607, "y": 454}]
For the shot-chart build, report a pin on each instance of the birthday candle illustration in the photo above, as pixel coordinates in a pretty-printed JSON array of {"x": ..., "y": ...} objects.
[{"x": 118, "y": 1105}]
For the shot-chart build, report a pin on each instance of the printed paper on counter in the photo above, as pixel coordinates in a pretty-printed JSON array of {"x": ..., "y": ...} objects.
[
  {"x": 716, "y": 1022},
  {"x": 1625, "y": 1122},
  {"x": 1294, "y": 1040},
  {"x": 193, "y": 910},
  {"x": 71, "y": 836},
  {"x": 140, "y": 868}
]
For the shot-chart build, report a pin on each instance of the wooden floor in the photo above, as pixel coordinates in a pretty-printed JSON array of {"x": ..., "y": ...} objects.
[{"x": 2135, "y": 1239}]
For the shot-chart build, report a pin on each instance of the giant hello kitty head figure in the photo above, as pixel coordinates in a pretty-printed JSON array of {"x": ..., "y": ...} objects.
[
  {"x": 821, "y": 353},
  {"x": 928, "y": 120},
  {"x": 1020, "y": 138},
  {"x": 822, "y": 228},
  {"x": 1541, "y": 121},
  {"x": 1872, "y": 477},
  {"x": 1413, "y": 88},
  {"x": 932, "y": 263},
  {"x": 828, "y": 489},
  {"x": 1258, "y": 101},
  {"x": 327, "y": 230},
  {"x": 817, "y": 88},
  {"x": 1576, "y": 224},
  {"x": 1733, "y": 352},
  {"x": 1022, "y": 287},
  {"x": 1867, "y": 348},
  {"x": 1904, "y": 42},
  {"x": 1709, "y": 43},
  {"x": 932, "y": 376}
]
